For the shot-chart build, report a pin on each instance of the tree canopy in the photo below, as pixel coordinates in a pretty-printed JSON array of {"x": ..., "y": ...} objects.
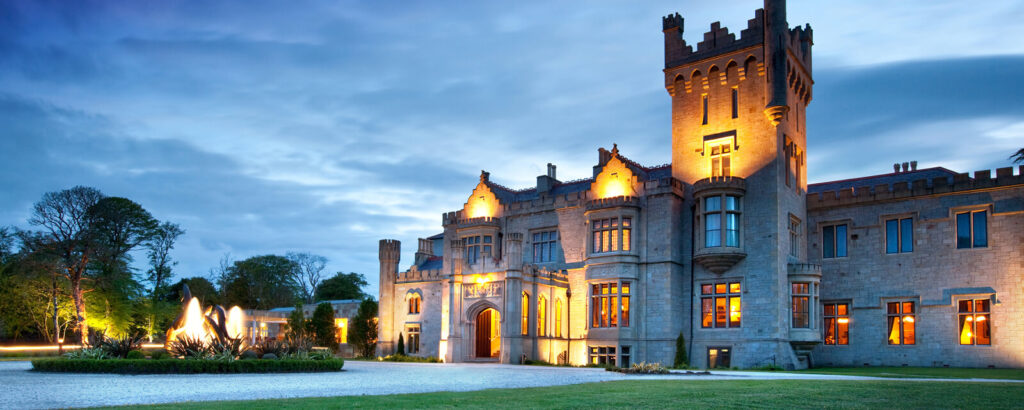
[
  {"x": 342, "y": 286},
  {"x": 261, "y": 282}
]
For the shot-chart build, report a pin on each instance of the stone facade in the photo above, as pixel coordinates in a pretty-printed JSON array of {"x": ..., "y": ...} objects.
[{"x": 723, "y": 246}]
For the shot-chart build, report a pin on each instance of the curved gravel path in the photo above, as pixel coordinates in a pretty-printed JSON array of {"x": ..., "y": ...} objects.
[{"x": 21, "y": 388}]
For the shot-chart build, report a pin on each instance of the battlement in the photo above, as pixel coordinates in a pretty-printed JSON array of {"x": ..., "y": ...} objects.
[
  {"x": 613, "y": 202},
  {"x": 1004, "y": 177},
  {"x": 716, "y": 41},
  {"x": 416, "y": 275},
  {"x": 390, "y": 250}
]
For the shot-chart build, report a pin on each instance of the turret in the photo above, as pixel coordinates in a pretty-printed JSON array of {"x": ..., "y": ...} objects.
[{"x": 390, "y": 252}]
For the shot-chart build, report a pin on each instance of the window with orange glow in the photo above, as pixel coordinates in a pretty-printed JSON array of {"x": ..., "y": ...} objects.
[
  {"x": 526, "y": 314},
  {"x": 414, "y": 304},
  {"x": 610, "y": 236},
  {"x": 558, "y": 318},
  {"x": 413, "y": 346},
  {"x": 975, "y": 322},
  {"x": 837, "y": 324},
  {"x": 542, "y": 316},
  {"x": 901, "y": 320},
  {"x": 721, "y": 305},
  {"x": 609, "y": 304},
  {"x": 720, "y": 157}
]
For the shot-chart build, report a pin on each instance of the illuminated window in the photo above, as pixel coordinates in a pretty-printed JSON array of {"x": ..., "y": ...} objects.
[
  {"x": 837, "y": 324},
  {"x": 975, "y": 322},
  {"x": 414, "y": 304},
  {"x": 901, "y": 323},
  {"x": 735, "y": 102},
  {"x": 604, "y": 355},
  {"x": 474, "y": 246},
  {"x": 341, "y": 326},
  {"x": 972, "y": 229},
  {"x": 608, "y": 303},
  {"x": 704, "y": 108},
  {"x": 801, "y": 294},
  {"x": 542, "y": 316},
  {"x": 544, "y": 245},
  {"x": 610, "y": 236},
  {"x": 899, "y": 235},
  {"x": 720, "y": 305},
  {"x": 413, "y": 345},
  {"x": 558, "y": 317},
  {"x": 716, "y": 215},
  {"x": 721, "y": 158},
  {"x": 833, "y": 241},
  {"x": 526, "y": 314}
]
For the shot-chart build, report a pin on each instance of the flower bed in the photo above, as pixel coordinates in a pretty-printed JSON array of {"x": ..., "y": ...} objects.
[{"x": 183, "y": 366}]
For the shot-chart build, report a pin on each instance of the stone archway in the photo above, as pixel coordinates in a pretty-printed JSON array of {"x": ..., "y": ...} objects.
[{"x": 488, "y": 334}]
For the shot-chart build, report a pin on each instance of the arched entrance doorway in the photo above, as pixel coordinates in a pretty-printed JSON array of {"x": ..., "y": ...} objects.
[{"x": 488, "y": 334}]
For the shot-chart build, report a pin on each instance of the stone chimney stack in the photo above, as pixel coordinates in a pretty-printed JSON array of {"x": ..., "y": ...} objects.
[
  {"x": 546, "y": 182},
  {"x": 426, "y": 250}
]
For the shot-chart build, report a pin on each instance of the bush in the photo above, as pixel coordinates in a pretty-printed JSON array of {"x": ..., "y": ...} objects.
[
  {"x": 135, "y": 354},
  {"x": 400, "y": 351},
  {"x": 159, "y": 354},
  {"x": 270, "y": 346},
  {"x": 681, "y": 360},
  {"x": 120, "y": 347},
  {"x": 413, "y": 359},
  {"x": 249, "y": 355},
  {"x": 173, "y": 366},
  {"x": 269, "y": 356},
  {"x": 190, "y": 348},
  {"x": 644, "y": 368},
  {"x": 87, "y": 353}
]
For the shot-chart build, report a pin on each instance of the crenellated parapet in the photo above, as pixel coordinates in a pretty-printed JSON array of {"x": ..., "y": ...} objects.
[
  {"x": 716, "y": 41},
  {"x": 414, "y": 274},
  {"x": 1004, "y": 177}
]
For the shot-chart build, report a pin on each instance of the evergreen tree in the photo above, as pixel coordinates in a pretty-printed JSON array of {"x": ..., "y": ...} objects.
[
  {"x": 681, "y": 359},
  {"x": 401, "y": 346},
  {"x": 322, "y": 326},
  {"x": 364, "y": 328}
]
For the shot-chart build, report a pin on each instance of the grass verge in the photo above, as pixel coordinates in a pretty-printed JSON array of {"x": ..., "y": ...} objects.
[
  {"x": 677, "y": 394},
  {"x": 173, "y": 366},
  {"x": 923, "y": 372}
]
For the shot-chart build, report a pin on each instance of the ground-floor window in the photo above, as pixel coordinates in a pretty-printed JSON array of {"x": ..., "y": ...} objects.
[
  {"x": 341, "y": 324},
  {"x": 607, "y": 301},
  {"x": 720, "y": 305},
  {"x": 975, "y": 322},
  {"x": 602, "y": 355},
  {"x": 414, "y": 338},
  {"x": 625, "y": 353},
  {"x": 719, "y": 357},
  {"x": 901, "y": 317},
  {"x": 837, "y": 324}
]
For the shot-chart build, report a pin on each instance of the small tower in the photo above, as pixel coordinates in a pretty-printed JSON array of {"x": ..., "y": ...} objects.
[{"x": 390, "y": 253}]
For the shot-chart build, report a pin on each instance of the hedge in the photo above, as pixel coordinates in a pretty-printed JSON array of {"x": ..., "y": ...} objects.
[{"x": 183, "y": 366}]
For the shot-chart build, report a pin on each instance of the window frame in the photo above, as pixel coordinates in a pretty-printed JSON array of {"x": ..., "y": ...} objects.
[
  {"x": 545, "y": 245},
  {"x": 525, "y": 314},
  {"x": 412, "y": 343},
  {"x": 415, "y": 304},
  {"x": 477, "y": 246},
  {"x": 603, "y": 355},
  {"x": 972, "y": 228},
  {"x": 899, "y": 237},
  {"x": 807, "y": 295},
  {"x": 616, "y": 230},
  {"x": 728, "y": 294},
  {"x": 542, "y": 316},
  {"x": 974, "y": 313},
  {"x": 724, "y": 214},
  {"x": 834, "y": 226},
  {"x": 615, "y": 298},
  {"x": 903, "y": 315},
  {"x": 837, "y": 323}
]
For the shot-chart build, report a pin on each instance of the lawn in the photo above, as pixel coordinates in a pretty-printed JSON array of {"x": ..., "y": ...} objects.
[
  {"x": 680, "y": 393},
  {"x": 923, "y": 372}
]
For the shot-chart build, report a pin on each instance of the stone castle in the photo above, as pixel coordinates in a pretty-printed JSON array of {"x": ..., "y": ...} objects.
[{"x": 727, "y": 246}]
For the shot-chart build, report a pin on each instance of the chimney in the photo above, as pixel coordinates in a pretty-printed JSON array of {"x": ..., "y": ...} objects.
[
  {"x": 906, "y": 166},
  {"x": 546, "y": 182},
  {"x": 425, "y": 251},
  {"x": 913, "y": 165},
  {"x": 896, "y": 168}
]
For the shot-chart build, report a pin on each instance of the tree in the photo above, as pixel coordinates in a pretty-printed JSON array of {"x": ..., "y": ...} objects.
[
  {"x": 307, "y": 276},
  {"x": 400, "y": 351},
  {"x": 364, "y": 328},
  {"x": 1018, "y": 156},
  {"x": 199, "y": 286},
  {"x": 65, "y": 217},
  {"x": 261, "y": 282},
  {"x": 322, "y": 325},
  {"x": 297, "y": 324},
  {"x": 681, "y": 360},
  {"x": 159, "y": 251},
  {"x": 342, "y": 286}
]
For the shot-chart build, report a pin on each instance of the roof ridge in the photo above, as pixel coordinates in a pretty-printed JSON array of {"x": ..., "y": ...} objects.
[{"x": 951, "y": 172}]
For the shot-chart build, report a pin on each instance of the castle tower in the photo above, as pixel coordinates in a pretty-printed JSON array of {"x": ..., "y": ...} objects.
[
  {"x": 739, "y": 138},
  {"x": 390, "y": 252}
]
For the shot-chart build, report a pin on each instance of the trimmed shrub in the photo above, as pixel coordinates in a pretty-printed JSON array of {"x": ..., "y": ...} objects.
[
  {"x": 401, "y": 346},
  {"x": 269, "y": 356},
  {"x": 249, "y": 355},
  {"x": 175, "y": 366},
  {"x": 681, "y": 360},
  {"x": 135, "y": 354},
  {"x": 643, "y": 368},
  {"x": 159, "y": 354},
  {"x": 413, "y": 359}
]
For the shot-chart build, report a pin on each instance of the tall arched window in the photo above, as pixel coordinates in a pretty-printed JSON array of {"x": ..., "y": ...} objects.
[
  {"x": 526, "y": 314},
  {"x": 414, "y": 304},
  {"x": 558, "y": 317},
  {"x": 542, "y": 316}
]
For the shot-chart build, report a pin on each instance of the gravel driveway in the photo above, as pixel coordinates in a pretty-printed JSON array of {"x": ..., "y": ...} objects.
[{"x": 21, "y": 388}]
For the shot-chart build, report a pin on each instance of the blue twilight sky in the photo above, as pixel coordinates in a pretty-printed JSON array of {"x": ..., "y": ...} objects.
[{"x": 274, "y": 126}]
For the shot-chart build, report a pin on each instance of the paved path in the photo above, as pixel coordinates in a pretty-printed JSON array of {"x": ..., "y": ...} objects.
[{"x": 20, "y": 388}]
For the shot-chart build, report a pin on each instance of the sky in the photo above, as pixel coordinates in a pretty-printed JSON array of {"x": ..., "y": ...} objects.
[{"x": 263, "y": 127}]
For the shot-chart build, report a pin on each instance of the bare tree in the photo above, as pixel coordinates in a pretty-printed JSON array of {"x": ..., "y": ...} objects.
[
  {"x": 159, "y": 246},
  {"x": 65, "y": 215},
  {"x": 221, "y": 275},
  {"x": 1018, "y": 156},
  {"x": 307, "y": 277}
]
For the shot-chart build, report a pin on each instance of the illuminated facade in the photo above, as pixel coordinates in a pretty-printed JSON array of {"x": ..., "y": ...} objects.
[{"x": 728, "y": 245}]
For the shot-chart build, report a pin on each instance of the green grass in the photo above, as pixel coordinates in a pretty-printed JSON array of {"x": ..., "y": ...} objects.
[
  {"x": 678, "y": 394},
  {"x": 923, "y": 372}
]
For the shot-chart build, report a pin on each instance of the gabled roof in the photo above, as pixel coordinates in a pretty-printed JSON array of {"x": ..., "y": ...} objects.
[{"x": 883, "y": 179}]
